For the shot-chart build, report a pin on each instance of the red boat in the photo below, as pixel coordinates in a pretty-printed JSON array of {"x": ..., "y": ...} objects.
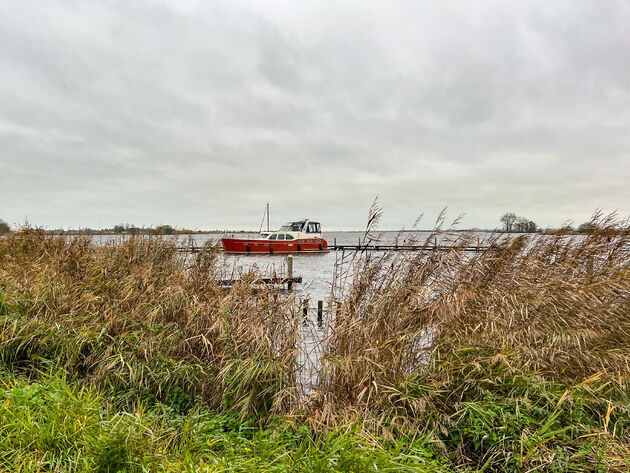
[{"x": 304, "y": 236}]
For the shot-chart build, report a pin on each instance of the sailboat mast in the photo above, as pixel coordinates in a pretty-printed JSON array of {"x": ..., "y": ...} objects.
[{"x": 267, "y": 216}]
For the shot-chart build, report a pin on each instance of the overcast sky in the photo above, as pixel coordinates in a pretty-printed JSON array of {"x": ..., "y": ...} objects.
[{"x": 196, "y": 113}]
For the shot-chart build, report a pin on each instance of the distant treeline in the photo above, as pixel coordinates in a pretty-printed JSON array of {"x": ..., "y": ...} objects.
[
  {"x": 510, "y": 223},
  {"x": 126, "y": 228},
  {"x": 132, "y": 229},
  {"x": 514, "y": 223}
]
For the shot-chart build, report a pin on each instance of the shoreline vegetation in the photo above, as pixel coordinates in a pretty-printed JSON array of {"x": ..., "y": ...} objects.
[
  {"x": 510, "y": 221},
  {"x": 128, "y": 357}
]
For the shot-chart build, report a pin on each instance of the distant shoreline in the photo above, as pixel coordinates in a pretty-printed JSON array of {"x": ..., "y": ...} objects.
[{"x": 221, "y": 232}]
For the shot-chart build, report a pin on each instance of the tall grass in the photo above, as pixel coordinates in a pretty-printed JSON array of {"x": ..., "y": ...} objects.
[
  {"x": 136, "y": 317},
  {"x": 514, "y": 357}
]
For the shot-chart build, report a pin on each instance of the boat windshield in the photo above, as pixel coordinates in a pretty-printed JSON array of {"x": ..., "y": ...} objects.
[
  {"x": 292, "y": 227},
  {"x": 314, "y": 227}
]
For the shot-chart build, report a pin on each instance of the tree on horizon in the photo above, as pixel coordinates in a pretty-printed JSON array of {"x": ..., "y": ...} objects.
[
  {"x": 4, "y": 227},
  {"x": 508, "y": 220}
]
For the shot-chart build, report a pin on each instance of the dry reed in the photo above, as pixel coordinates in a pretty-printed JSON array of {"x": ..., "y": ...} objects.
[
  {"x": 512, "y": 358},
  {"x": 137, "y": 317},
  {"x": 417, "y": 337}
]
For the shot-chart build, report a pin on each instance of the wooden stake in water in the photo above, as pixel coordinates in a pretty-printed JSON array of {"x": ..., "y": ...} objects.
[
  {"x": 320, "y": 312},
  {"x": 290, "y": 272}
]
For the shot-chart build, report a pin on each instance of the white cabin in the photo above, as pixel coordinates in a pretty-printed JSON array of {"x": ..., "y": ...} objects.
[{"x": 295, "y": 231}]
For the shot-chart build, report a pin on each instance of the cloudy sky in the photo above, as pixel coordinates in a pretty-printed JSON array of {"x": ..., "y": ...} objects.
[{"x": 196, "y": 113}]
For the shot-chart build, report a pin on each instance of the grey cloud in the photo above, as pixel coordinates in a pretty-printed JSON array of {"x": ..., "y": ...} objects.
[{"x": 196, "y": 113}]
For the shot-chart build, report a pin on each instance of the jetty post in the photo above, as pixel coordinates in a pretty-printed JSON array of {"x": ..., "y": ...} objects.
[
  {"x": 320, "y": 312},
  {"x": 290, "y": 272}
]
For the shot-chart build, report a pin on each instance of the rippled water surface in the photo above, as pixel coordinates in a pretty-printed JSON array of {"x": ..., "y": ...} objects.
[{"x": 317, "y": 270}]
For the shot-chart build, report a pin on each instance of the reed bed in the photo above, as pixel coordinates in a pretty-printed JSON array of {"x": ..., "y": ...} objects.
[
  {"x": 136, "y": 318},
  {"x": 515, "y": 358}
]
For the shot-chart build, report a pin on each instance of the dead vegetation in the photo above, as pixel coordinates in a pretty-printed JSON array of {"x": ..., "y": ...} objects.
[
  {"x": 515, "y": 357},
  {"x": 136, "y": 317},
  {"x": 534, "y": 331}
]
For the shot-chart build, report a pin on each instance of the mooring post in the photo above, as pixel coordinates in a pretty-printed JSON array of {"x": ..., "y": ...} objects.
[
  {"x": 320, "y": 312},
  {"x": 289, "y": 272},
  {"x": 305, "y": 308},
  {"x": 335, "y": 242}
]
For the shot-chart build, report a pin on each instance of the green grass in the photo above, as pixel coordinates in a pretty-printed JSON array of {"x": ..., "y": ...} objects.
[
  {"x": 524, "y": 422},
  {"x": 54, "y": 425}
]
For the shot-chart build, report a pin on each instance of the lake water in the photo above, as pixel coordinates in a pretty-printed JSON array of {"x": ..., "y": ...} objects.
[{"x": 317, "y": 270}]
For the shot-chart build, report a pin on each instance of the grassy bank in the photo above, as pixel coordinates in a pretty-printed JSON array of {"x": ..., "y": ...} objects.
[
  {"x": 55, "y": 425},
  {"x": 127, "y": 357}
]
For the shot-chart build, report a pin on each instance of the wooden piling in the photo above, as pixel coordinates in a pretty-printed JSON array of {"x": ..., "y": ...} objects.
[
  {"x": 320, "y": 312},
  {"x": 290, "y": 272},
  {"x": 305, "y": 308}
]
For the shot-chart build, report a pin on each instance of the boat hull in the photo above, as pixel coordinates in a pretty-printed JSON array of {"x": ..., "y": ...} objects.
[{"x": 256, "y": 246}]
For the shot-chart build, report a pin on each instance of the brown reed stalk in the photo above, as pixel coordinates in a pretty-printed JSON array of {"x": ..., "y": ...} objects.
[
  {"x": 558, "y": 304},
  {"x": 136, "y": 315}
]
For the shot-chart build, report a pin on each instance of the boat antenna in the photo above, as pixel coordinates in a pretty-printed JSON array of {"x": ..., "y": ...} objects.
[{"x": 267, "y": 216}]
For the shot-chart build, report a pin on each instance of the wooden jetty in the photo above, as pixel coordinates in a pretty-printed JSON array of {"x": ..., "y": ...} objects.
[
  {"x": 362, "y": 247},
  {"x": 288, "y": 280},
  {"x": 426, "y": 246}
]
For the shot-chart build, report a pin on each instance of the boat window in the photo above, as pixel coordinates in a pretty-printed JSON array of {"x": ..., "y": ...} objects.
[
  {"x": 312, "y": 228},
  {"x": 273, "y": 237},
  {"x": 319, "y": 228},
  {"x": 292, "y": 227},
  {"x": 281, "y": 236},
  {"x": 289, "y": 237}
]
